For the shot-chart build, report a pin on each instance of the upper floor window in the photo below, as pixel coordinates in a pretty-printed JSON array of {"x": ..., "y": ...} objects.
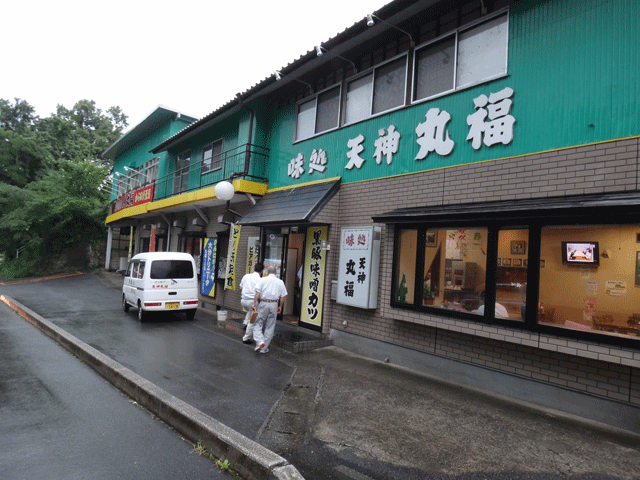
[
  {"x": 136, "y": 177},
  {"x": 151, "y": 169},
  {"x": 378, "y": 91},
  {"x": 465, "y": 58},
  {"x": 181, "y": 174},
  {"x": 123, "y": 183},
  {"x": 319, "y": 114},
  {"x": 212, "y": 157}
]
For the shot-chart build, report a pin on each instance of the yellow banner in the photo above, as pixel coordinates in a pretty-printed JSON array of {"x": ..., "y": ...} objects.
[
  {"x": 234, "y": 240},
  {"x": 253, "y": 253},
  {"x": 313, "y": 277}
]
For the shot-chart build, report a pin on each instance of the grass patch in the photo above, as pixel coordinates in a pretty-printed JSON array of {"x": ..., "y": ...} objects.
[{"x": 224, "y": 465}]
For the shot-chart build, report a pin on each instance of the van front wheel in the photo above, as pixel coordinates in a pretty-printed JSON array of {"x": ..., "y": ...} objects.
[
  {"x": 142, "y": 315},
  {"x": 125, "y": 305}
]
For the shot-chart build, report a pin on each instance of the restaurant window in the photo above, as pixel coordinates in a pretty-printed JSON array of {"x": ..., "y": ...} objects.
[
  {"x": 478, "y": 54},
  {"x": 319, "y": 114},
  {"x": 450, "y": 265},
  {"x": 586, "y": 277},
  {"x": 379, "y": 91},
  {"x": 589, "y": 278},
  {"x": 511, "y": 273},
  {"x": 212, "y": 157},
  {"x": 406, "y": 266},
  {"x": 461, "y": 257}
]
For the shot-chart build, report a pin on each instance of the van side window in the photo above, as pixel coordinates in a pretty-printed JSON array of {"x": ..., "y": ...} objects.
[
  {"x": 130, "y": 268},
  {"x": 141, "y": 270}
]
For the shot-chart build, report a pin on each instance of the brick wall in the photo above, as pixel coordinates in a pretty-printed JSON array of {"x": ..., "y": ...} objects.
[{"x": 598, "y": 369}]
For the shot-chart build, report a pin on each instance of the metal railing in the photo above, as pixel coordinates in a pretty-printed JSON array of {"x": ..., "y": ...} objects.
[{"x": 244, "y": 161}]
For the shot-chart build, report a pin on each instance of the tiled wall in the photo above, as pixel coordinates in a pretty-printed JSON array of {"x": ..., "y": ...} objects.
[{"x": 599, "y": 369}]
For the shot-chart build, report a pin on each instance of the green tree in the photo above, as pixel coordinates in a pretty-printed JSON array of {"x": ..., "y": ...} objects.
[
  {"x": 51, "y": 211},
  {"x": 18, "y": 117},
  {"x": 83, "y": 132},
  {"x": 22, "y": 158}
]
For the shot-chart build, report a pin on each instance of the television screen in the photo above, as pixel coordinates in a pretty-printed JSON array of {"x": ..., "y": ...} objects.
[{"x": 580, "y": 253}]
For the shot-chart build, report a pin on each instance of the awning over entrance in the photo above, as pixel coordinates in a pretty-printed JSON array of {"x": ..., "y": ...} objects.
[
  {"x": 293, "y": 206},
  {"x": 550, "y": 207}
]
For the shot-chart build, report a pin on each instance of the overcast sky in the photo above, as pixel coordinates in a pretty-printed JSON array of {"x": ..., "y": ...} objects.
[{"x": 189, "y": 55}]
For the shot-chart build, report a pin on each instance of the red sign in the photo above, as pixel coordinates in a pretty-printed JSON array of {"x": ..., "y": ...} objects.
[{"x": 142, "y": 195}]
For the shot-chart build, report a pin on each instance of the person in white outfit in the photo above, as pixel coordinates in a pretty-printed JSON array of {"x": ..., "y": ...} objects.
[
  {"x": 500, "y": 310},
  {"x": 269, "y": 299},
  {"x": 248, "y": 286}
]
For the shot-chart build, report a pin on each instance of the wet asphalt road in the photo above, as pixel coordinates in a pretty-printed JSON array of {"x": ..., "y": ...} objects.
[
  {"x": 332, "y": 414},
  {"x": 186, "y": 358},
  {"x": 60, "y": 420}
]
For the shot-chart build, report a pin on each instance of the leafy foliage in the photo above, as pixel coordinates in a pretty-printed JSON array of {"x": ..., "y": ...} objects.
[{"x": 51, "y": 210}]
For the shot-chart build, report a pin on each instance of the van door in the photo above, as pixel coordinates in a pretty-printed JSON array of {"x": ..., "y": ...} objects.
[
  {"x": 127, "y": 288},
  {"x": 137, "y": 282}
]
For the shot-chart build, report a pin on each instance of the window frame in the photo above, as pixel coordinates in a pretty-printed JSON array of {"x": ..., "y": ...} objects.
[
  {"x": 212, "y": 167},
  {"x": 456, "y": 34},
  {"x": 534, "y": 225},
  {"x": 314, "y": 98},
  {"x": 181, "y": 177},
  {"x": 152, "y": 165},
  {"x": 372, "y": 71}
]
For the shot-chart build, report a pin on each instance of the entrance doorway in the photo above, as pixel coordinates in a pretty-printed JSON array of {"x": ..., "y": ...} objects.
[{"x": 285, "y": 251}]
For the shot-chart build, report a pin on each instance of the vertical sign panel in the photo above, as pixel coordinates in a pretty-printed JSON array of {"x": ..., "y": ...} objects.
[
  {"x": 234, "y": 240},
  {"x": 358, "y": 266},
  {"x": 253, "y": 253},
  {"x": 313, "y": 277},
  {"x": 208, "y": 263},
  {"x": 130, "y": 243}
]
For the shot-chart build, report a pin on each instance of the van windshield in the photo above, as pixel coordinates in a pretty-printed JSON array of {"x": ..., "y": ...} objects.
[{"x": 171, "y": 269}]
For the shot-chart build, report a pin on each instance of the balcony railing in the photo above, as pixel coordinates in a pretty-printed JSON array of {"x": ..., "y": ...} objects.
[{"x": 245, "y": 161}]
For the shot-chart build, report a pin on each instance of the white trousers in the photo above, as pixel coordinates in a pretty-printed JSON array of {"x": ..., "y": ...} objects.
[
  {"x": 247, "y": 305},
  {"x": 267, "y": 313}
]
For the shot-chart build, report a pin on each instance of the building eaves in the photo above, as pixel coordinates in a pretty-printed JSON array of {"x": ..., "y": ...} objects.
[{"x": 160, "y": 115}]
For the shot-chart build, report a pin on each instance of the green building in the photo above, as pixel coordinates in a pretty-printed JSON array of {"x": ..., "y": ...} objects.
[{"x": 432, "y": 158}]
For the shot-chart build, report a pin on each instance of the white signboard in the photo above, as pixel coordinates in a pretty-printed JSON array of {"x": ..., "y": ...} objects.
[{"x": 359, "y": 267}]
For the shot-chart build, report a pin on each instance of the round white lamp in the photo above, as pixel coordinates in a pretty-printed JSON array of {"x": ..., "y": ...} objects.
[{"x": 224, "y": 190}]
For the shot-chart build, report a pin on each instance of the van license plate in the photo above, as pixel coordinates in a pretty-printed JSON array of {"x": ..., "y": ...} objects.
[{"x": 169, "y": 305}]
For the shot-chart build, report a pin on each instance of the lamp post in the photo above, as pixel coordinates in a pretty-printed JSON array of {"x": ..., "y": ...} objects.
[{"x": 224, "y": 190}]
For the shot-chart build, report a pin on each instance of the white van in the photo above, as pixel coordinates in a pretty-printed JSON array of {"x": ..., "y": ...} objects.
[{"x": 161, "y": 281}]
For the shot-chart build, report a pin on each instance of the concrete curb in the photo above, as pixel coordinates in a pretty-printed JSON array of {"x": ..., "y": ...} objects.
[{"x": 250, "y": 459}]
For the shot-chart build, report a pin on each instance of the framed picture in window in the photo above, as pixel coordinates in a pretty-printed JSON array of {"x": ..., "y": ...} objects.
[
  {"x": 431, "y": 239},
  {"x": 518, "y": 247},
  {"x": 506, "y": 262},
  {"x": 517, "y": 262},
  {"x": 499, "y": 263}
]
